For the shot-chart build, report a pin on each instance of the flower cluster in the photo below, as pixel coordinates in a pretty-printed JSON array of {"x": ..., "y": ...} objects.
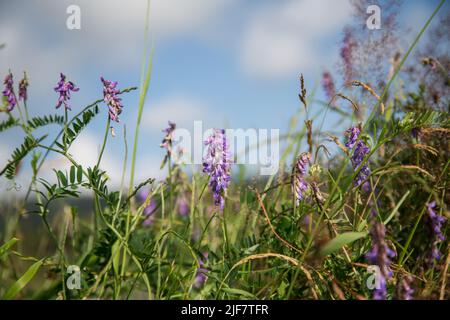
[
  {"x": 167, "y": 140},
  {"x": 182, "y": 205},
  {"x": 405, "y": 290},
  {"x": 111, "y": 99},
  {"x": 359, "y": 153},
  {"x": 201, "y": 277},
  {"x": 328, "y": 85},
  {"x": 64, "y": 87},
  {"x": 217, "y": 164},
  {"x": 348, "y": 46},
  {"x": 149, "y": 209},
  {"x": 298, "y": 183},
  {"x": 8, "y": 93},
  {"x": 23, "y": 88},
  {"x": 352, "y": 135},
  {"x": 434, "y": 224},
  {"x": 380, "y": 254}
]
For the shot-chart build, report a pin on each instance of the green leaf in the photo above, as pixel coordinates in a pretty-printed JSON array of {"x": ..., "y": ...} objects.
[
  {"x": 395, "y": 210},
  {"x": 37, "y": 122},
  {"x": 62, "y": 178},
  {"x": 72, "y": 174},
  {"x": 115, "y": 254},
  {"x": 10, "y": 123},
  {"x": 18, "y": 154},
  {"x": 12, "y": 292},
  {"x": 5, "y": 247},
  {"x": 240, "y": 292},
  {"x": 79, "y": 174},
  {"x": 341, "y": 240}
]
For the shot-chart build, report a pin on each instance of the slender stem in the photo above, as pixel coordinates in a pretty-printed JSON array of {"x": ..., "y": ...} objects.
[{"x": 105, "y": 138}]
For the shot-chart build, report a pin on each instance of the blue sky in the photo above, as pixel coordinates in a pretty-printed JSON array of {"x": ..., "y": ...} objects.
[{"x": 228, "y": 63}]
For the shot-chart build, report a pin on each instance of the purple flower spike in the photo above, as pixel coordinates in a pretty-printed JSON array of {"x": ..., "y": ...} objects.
[
  {"x": 111, "y": 99},
  {"x": 298, "y": 183},
  {"x": 64, "y": 87},
  {"x": 217, "y": 164},
  {"x": 167, "y": 140},
  {"x": 352, "y": 135},
  {"x": 328, "y": 85},
  {"x": 23, "y": 88},
  {"x": 8, "y": 93},
  {"x": 348, "y": 46},
  {"x": 405, "y": 290},
  {"x": 359, "y": 153},
  {"x": 201, "y": 277},
  {"x": 380, "y": 254},
  {"x": 434, "y": 223}
]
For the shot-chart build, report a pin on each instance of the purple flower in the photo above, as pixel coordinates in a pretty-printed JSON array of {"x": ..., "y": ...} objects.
[
  {"x": 111, "y": 99},
  {"x": 149, "y": 209},
  {"x": 64, "y": 87},
  {"x": 8, "y": 93},
  {"x": 434, "y": 223},
  {"x": 348, "y": 46},
  {"x": 201, "y": 277},
  {"x": 352, "y": 135},
  {"x": 167, "y": 141},
  {"x": 380, "y": 254},
  {"x": 405, "y": 290},
  {"x": 217, "y": 164},
  {"x": 298, "y": 183},
  {"x": 183, "y": 206},
  {"x": 359, "y": 153},
  {"x": 328, "y": 85},
  {"x": 23, "y": 88}
]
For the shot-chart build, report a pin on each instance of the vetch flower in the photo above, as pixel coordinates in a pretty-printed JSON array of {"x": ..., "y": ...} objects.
[
  {"x": 352, "y": 135},
  {"x": 201, "y": 277},
  {"x": 23, "y": 88},
  {"x": 328, "y": 85},
  {"x": 183, "y": 206},
  {"x": 359, "y": 153},
  {"x": 405, "y": 290},
  {"x": 348, "y": 46},
  {"x": 380, "y": 254},
  {"x": 298, "y": 183},
  {"x": 8, "y": 93},
  {"x": 64, "y": 87},
  {"x": 217, "y": 164},
  {"x": 167, "y": 141},
  {"x": 434, "y": 223},
  {"x": 111, "y": 99}
]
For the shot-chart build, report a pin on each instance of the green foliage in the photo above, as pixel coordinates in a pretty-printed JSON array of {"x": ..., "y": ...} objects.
[
  {"x": 18, "y": 154},
  {"x": 14, "y": 290},
  {"x": 78, "y": 124},
  {"x": 7, "y": 124},
  {"x": 37, "y": 122}
]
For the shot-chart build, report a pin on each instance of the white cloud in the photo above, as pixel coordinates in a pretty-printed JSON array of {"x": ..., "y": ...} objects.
[
  {"x": 181, "y": 110},
  {"x": 282, "y": 40},
  {"x": 86, "y": 149},
  {"x": 111, "y": 38}
]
